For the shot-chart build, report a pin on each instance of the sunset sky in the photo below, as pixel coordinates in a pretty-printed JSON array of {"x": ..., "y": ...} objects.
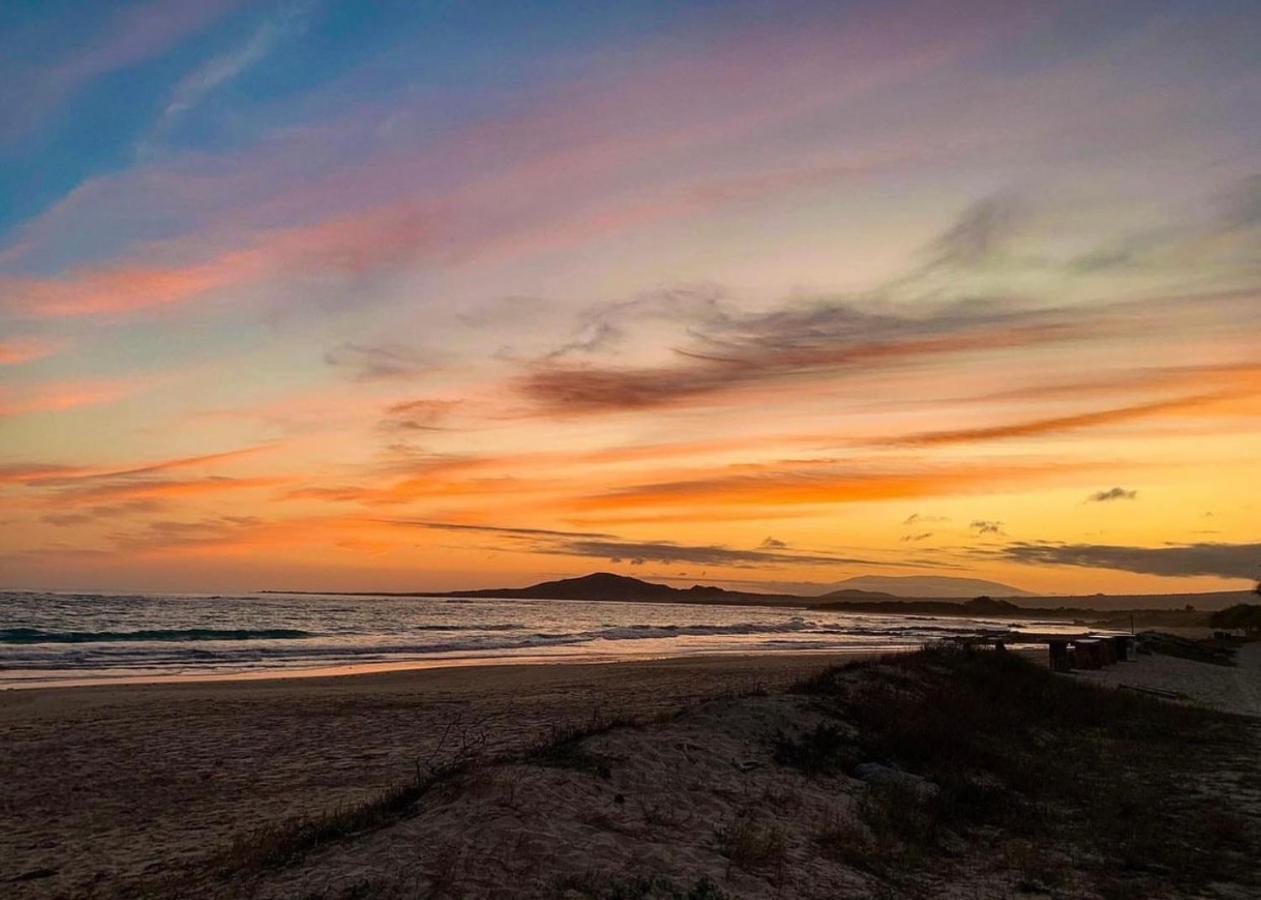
[{"x": 428, "y": 295}]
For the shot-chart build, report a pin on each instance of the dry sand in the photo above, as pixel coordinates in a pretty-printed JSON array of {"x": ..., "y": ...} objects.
[{"x": 103, "y": 784}]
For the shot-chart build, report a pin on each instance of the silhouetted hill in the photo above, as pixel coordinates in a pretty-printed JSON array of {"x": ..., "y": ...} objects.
[
  {"x": 852, "y": 595},
  {"x": 608, "y": 586},
  {"x": 1173, "y": 609},
  {"x": 596, "y": 586}
]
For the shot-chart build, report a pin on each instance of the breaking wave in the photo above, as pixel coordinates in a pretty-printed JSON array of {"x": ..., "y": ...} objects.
[{"x": 36, "y": 636}]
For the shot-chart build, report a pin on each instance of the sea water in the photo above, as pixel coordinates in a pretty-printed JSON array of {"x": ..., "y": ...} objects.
[{"x": 79, "y": 638}]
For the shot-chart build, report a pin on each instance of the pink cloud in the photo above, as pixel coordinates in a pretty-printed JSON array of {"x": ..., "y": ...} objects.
[
  {"x": 16, "y": 351},
  {"x": 58, "y": 396}
]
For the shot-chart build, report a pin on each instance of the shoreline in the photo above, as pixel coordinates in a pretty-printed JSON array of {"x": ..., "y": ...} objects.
[{"x": 436, "y": 663}]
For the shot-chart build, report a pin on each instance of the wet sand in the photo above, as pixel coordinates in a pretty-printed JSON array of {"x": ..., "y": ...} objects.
[{"x": 104, "y": 784}]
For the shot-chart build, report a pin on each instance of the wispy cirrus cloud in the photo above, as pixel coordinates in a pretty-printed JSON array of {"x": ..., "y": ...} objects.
[
  {"x": 225, "y": 67},
  {"x": 56, "y": 475},
  {"x": 1058, "y": 424},
  {"x": 129, "y": 36},
  {"x": 557, "y": 166}
]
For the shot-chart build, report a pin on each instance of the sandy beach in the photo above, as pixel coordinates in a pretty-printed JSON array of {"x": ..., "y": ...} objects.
[
  {"x": 104, "y": 784},
  {"x": 1230, "y": 689},
  {"x": 111, "y": 787}
]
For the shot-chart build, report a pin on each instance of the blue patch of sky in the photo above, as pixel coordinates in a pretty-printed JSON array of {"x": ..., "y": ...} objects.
[{"x": 331, "y": 55}]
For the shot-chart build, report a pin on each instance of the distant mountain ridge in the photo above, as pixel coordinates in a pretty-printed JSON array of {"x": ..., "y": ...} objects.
[
  {"x": 840, "y": 601},
  {"x": 607, "y": 586},
  {"x": 920, "y": 586}
]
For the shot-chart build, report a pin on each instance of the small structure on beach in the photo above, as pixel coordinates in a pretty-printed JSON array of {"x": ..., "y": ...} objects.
[{"x": 1066, "y": 652}]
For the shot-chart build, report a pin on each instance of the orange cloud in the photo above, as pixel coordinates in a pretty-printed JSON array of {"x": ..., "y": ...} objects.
[
  {"x": 1235, "y": 377},
  {"x": 58, "y": 475},
  {"x": 165, "y": 465},
  {"x": 828, "y": 484},
  {"x": 1057, "y": 424},
  {"x": 125, "y": 288},
  {"x": 29, "y": 473}
]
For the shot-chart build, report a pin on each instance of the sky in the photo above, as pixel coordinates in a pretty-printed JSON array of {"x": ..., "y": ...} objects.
[{"x": 429, "y": 295}]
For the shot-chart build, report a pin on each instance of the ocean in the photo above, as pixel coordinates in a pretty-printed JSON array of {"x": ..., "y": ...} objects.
[{"x": 82, "y": 638}]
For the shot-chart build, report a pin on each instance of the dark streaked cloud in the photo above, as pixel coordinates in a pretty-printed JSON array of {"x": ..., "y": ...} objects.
[
  {"x": 606, "y": 325},
  {"x": 730, "y": 348},
  {"x": 920, "y": 536},
  {"x": 597, "y": 545},
  {"x": 917, "y": 518},
  {"x": 1174, "y": 560},
  {"x": 986, "y": 526},
  {"x": 669, "y": 552},
  {"x": 821, "y": 338},
  {"x": 770, "y": 543},
  {"x": 1111, "y": 494}
]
